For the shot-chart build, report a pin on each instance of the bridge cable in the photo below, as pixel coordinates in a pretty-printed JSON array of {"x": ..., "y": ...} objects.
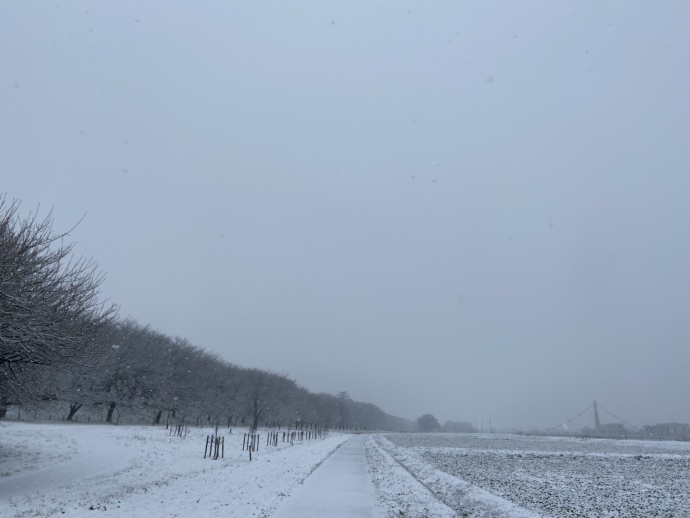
[
  {"x": 568, "y": 421},
  {"x": 622, "y": 420}
]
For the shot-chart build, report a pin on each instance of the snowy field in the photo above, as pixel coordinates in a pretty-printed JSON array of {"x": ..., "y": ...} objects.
[
  {"x": 74, "y": 470},
  {"x": 82, "y": 470},
  {"x": 509, "y": 475}
]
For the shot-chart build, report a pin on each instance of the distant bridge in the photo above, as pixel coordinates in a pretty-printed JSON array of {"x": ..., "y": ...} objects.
[{"x": 621, "y": 429}]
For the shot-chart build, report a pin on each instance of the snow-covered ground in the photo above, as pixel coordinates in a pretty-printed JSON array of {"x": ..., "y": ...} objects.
[
  {"x": 82, "y": 470},
  {"x": 509, "y": 475},
  {"x": 74, "y": 470}
]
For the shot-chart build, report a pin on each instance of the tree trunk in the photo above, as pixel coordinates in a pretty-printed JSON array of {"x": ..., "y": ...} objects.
[
  {"x": 111, "y": 409},
  {"x": 73, "y": 409},
  {"x": 158, "y": 417},
  {"x": 255, "y": 423}
]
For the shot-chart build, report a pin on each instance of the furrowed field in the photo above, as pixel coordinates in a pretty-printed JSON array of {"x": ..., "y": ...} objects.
[{"x": 511, "y": 475}]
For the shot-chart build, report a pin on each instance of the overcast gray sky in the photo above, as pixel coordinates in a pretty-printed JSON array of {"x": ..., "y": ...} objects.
[{"x": 475, "y": 209}]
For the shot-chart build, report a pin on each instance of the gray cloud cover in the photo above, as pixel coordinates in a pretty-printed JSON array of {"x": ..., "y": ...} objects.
[{"x": 474, "y": 209}]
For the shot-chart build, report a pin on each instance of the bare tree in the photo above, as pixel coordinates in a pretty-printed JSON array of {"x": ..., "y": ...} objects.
[
  {"x": 220, "y": 386},
  {"x": 259, "y": 395},
  {"x": 342, "y": 416},
  {"x": 131, "y": 375},
  {"x": 50, "y": 313},
  {"x": 180, "y": 375}
]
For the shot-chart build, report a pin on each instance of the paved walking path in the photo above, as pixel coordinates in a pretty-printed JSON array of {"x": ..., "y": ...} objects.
[{"x": 341, "y": 487}]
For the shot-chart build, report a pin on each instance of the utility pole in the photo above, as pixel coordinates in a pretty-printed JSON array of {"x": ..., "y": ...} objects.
[{"x": 597, "y": 424}]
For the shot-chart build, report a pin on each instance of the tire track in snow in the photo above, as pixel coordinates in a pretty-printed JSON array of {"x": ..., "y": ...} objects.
[
  {"x": 416, "y": 501},
  {"x": 459, "y": 495}
]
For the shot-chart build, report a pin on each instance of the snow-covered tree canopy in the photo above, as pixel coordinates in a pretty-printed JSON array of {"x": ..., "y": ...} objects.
[{"x": 50, "y": 312}]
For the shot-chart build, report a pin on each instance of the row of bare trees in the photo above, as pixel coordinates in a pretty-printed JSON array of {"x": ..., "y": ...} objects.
[
  {"x": 143, "y": 373},
  {"x": 59, "y": 344},
  {"x": 50, "y": 312}
]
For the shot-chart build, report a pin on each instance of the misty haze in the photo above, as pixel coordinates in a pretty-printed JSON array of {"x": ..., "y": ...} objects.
[{"x": 439, "y": 238}]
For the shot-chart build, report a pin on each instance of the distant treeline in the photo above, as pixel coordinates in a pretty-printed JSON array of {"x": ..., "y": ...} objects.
[{"x": 60, "y": 344}]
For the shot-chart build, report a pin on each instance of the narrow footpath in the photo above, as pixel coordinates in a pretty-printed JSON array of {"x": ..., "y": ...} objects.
[{"x": 340, "y": 487}]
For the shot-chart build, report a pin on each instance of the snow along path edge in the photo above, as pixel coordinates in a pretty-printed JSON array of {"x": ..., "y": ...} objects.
[
  {"x": 398, "y": 492},
  {"x": 462, "y": 497}
]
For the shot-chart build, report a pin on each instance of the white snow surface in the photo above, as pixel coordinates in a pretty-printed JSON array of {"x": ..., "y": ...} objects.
[
  {"x": 142, "y": 471},
  {"x": 341, "y": 487},
  {"x": 74, "y": 470},
  {"x": 497, "y": 475},
  {"x": 457, "y": 496}
]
